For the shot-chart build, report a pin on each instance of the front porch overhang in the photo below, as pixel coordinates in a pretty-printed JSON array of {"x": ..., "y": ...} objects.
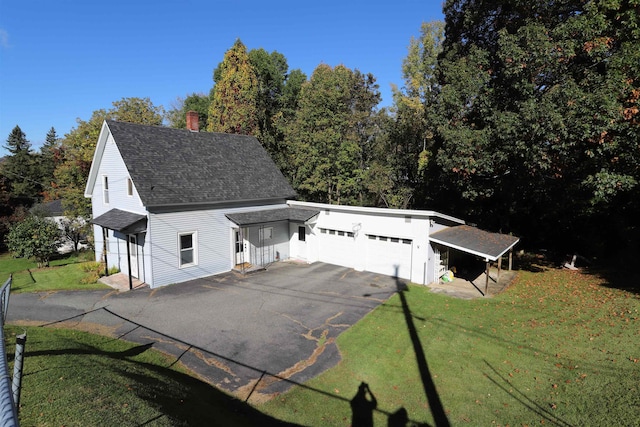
[
  {"x": 472, "y": 240},
  {"x": 122, "y": 221},
  {"x": 244, "y": 219}
]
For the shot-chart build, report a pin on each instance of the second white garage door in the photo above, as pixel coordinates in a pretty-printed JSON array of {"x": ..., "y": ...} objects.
[{"x": 389, "y": 255}]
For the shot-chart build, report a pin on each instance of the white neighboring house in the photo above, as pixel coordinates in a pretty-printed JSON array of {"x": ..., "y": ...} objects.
[
  {"x": 55, "y": 212},
  {"x": 170, "y": 205}
]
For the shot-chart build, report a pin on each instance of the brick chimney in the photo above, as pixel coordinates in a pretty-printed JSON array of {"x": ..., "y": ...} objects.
[{"x": 192, "y": 121}]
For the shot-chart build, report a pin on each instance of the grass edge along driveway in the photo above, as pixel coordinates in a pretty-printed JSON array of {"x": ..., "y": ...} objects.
[{"x": 557, "y": 348}]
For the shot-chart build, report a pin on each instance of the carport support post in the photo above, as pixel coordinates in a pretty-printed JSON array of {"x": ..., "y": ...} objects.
[
  {"x": 499, "y": 268},
  {"x": 486, "y": 283},
  {"x": 510, "y": 258}
]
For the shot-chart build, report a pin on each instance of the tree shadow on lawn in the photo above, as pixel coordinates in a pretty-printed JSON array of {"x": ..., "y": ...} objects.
[
  {"x": 183, "y": 399},
  {"x": 624, "y": 278},
  {"x": 204, "y": 393}
]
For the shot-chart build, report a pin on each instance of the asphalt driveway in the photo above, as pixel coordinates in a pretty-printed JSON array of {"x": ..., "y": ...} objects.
[{"x": 251, "y": 335}]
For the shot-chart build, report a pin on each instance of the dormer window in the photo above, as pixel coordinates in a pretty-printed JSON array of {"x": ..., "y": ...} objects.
[
  {"x": 129, "y": 187},
  {"x": 105, "y": 189}
]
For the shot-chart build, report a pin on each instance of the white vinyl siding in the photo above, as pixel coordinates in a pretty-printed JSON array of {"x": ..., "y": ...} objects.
[
  {"x": 215, "y": 247},
  {"x": 112, "y": 168}
]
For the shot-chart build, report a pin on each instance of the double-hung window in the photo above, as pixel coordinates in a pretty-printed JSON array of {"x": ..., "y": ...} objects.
[
  {"x": 105, "y": 189},
  {"x": 187, "y": 248}
]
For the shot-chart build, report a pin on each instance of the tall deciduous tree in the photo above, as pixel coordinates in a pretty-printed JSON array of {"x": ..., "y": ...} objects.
[
  {"x": 329, "y": 134},
  {"x": 234, "y": 96},
  {"x": 177, "y": 115},
  {"x": 410, "y": 143},
  {"x": 79, "y": 145},
  {"x": 538, "y": 114}
]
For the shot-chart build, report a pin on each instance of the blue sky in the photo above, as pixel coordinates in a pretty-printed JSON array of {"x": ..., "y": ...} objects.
[{"x": 62, "y": 60}]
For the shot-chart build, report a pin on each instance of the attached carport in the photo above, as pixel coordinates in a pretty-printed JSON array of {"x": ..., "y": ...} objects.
[{"x": 483, "y": 244}]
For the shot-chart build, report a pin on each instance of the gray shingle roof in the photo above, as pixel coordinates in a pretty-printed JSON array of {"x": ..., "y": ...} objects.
[
  {"x": 473, "y": 240},
  {"x": 123, "y": 221},
  {"x": 272, "y": 215},
  {"x": 179, "y": 167}
]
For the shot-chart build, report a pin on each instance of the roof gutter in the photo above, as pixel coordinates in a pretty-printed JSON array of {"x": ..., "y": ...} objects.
[{"x": 218, "y": 203}]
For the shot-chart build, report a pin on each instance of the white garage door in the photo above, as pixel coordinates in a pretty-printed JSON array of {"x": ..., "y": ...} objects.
[
  {"x": 389, "y": 255},
  {"x": 336, "y": 247}
]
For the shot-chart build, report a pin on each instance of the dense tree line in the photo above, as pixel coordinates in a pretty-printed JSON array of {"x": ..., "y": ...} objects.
[{"x": 520, "y": 116}]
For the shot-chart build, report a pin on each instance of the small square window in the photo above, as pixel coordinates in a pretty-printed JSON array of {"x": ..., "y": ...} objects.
[
  {"x": 394, "y": 239},
  {"x": 323, "y": 230},
  {"x": 302, "y": 234},
  {"x": 372, "y": 236},
  {"x": 349, "y": 234},
  {"x": 383, "y": 239},
  {"x": 266, "y": 233},
  {"x": 332, "y": 232},
  {"x": 340, "y": 233}
]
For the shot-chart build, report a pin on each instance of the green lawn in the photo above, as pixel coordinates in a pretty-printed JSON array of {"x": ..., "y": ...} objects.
[
  {"x": 65, "y": 273},
  {"x": 73, "y": 378},
  {"x": 557, "y": 348}
]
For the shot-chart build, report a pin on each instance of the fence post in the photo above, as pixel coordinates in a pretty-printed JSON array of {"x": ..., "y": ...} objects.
[{"x": 16, "y": 385}]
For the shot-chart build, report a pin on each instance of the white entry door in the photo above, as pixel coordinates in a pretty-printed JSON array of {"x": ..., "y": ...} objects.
[
  {"x": 240, "y": 245},
  {"x": 133, "y": 255}
]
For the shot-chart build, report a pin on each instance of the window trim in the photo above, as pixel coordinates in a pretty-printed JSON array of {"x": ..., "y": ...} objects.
[
  {"x": 265, "y": 233},
  {"x": 194, "y": 248}
]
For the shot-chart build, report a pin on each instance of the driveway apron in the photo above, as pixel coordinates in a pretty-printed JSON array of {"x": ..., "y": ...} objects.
[{"x": 253, "y": 335}]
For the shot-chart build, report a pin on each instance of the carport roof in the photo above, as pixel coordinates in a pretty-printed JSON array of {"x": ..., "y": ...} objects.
[
  {"x": 122, "y": 221},
  {"x": 475, "y": 241},
  {"x": 272, "y": 215}
]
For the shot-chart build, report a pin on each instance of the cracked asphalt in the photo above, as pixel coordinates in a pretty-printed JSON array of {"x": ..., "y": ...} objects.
[{"x": 253, "y": 336}]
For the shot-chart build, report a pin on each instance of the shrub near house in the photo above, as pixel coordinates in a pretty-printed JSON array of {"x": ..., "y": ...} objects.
[{"x": 35, "y": 237}]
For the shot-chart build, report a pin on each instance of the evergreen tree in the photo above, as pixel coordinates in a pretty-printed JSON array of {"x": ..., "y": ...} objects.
[
  {"x": 234, "y": 96},
  {"x": 47, "y": 161},
  {"x": 20, "y": 168}
]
